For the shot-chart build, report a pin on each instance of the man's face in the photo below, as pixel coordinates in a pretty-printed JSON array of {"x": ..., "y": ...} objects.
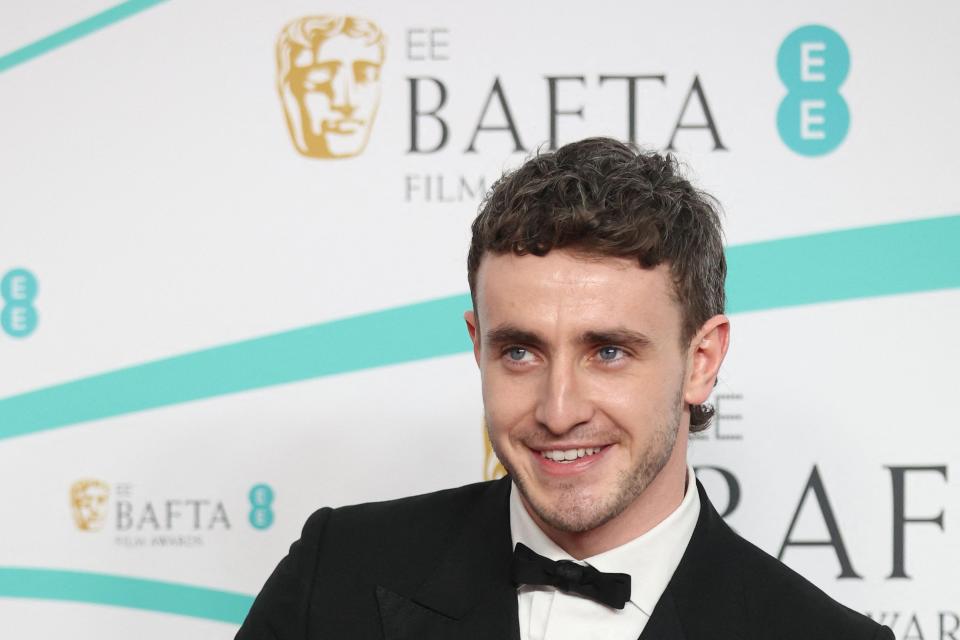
[
  {"x": 583, "y": 379},
  {"x": 335, "y": 91}
]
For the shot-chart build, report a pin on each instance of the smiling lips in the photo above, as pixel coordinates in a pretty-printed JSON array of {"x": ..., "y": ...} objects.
[{"x": 569, "y": 455}]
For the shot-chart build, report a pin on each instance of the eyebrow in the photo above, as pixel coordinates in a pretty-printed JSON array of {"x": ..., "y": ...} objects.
[
  {"x": 618, "y": 336},
  {"x": 508, "y": 333}
]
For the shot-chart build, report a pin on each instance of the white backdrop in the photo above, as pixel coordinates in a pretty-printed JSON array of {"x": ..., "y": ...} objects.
[{"x": 188, "y": 263}]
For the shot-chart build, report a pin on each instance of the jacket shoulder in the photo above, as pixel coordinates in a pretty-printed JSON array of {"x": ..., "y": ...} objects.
[
  {"x": 393, "y": 542},
  {"x": 325, "y": 586},
  {"x": 783, "y": 604}
]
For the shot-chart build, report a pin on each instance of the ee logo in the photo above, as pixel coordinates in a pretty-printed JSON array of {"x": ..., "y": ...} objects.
[
  {"x": 261, "y": 515},
  {"x": 813, "y": 118},
  {"x": 18, "y": 289}
]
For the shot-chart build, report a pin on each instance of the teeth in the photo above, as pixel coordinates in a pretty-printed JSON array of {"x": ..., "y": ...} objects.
[{"x": 569, "y": 455}]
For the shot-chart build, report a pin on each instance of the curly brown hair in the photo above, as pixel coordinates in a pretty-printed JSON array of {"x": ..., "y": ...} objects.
[{"x": 602, "y": 197}]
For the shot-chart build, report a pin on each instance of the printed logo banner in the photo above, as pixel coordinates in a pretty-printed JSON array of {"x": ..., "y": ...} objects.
[{"x": 232, "y": 279}]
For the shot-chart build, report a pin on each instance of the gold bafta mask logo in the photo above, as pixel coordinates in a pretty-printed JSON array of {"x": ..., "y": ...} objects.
[
  {"x": 492, "y": 468},
  {"x": 88, "y": 499},
  {"x": 328, "y": 76}
]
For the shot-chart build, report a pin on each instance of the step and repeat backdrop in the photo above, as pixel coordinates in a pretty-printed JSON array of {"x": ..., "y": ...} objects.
[{"x": 232, "y": 260}]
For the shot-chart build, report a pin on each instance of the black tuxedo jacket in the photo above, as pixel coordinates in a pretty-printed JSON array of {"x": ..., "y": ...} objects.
[{"x": 437, "y": 566}]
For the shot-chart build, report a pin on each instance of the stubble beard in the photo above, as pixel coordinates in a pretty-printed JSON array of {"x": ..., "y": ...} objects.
[{"x": 576, "y": 512}]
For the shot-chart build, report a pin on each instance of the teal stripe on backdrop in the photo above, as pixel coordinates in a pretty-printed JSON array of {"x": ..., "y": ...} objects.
[
  {"x": 906, "y": 257},
  {"x": 121, "y": 591},
  {"x": 75, "y": 32},
  {"x": 403, "y": 334},
  {"x": 889, "y": 259}
]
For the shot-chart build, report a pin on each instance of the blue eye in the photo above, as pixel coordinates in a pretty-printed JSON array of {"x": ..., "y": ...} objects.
[
  {"x": 610, "y": 354},
  {"x": 517, "y": 354}
]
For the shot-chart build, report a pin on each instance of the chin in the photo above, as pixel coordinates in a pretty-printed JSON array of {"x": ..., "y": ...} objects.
[
  {"x": 568, "y": 507},
  {"x": 578, "y": 506},
  {"x": 576, "y": 514}
]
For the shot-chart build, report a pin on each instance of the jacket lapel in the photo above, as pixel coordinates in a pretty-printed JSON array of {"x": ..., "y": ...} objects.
[
  {"x": 664, "y": 624},
  {"x": 704, "y": 598},
  {"x": 470, "y": 595}
]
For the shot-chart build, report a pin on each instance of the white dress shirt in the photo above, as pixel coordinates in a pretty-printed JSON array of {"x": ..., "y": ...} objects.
[{"x": 549, "y": 614}]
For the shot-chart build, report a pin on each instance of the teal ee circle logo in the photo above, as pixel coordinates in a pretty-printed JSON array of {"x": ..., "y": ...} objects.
[
  {"x": 18, "y": 289},
  {"x": 261, "y": 515},
  {"x": 813, "y": 118}
]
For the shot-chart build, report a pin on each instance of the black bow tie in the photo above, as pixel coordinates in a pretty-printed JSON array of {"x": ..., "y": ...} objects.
[{"x": 529, "y": 567}]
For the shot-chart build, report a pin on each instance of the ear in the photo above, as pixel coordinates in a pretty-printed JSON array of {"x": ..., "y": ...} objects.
[
  {"x": 473, "y": 328},
  {"x": 707, "y": 350}
]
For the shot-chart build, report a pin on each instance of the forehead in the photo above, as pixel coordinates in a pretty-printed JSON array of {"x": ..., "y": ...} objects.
[{"x": 566, "y": 293}]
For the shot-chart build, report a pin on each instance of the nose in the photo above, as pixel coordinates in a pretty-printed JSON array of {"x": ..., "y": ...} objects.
[{"x": 562, "y": 403}]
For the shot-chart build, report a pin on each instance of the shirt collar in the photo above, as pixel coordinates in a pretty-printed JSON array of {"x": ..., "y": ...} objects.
[{"x": 650, "y": 559}]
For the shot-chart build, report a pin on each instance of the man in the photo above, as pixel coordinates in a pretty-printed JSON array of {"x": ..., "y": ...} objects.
[{"x": 597, "y": 277}]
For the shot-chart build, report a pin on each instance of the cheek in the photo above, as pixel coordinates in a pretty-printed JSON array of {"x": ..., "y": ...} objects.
[
  {"x": 638, "y": 399},
  {"x": 508, "y": 402},
  {"x": 623, "y": 405}
]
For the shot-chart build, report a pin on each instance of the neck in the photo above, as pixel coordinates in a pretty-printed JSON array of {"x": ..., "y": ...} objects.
[{"x": 661, "y": 498}]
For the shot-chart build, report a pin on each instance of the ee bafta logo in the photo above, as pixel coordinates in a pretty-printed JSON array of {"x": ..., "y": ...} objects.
[
  {"x": 88, "y": 501},
  {"x": 328, "y": 77}
]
